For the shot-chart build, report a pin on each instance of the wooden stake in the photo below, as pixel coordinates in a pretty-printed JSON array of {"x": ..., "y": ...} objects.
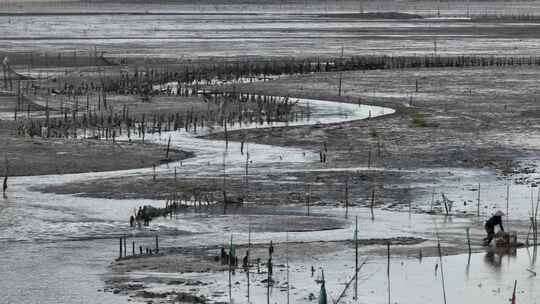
[
  {"x": 356, "y": 259},
  {"x": 468, "y": 239},
  {"x": 346, "y": 197},
  {"x": 372, "y": 204},
  {"x": 287, "y": 265},
  {"x": 369, "y": 158},
  {"x": 536, "y": 220},
  {"x": 513, "y": 301},
  {"x": 432, "y": 200},
  {"x": 6, "y": 173},
  {"x": 230, "y": 269},
  {"x": 340, "y": 80},
  {"x": 248, "y": 283},
  {"x": 507, "y": 200},
  {"x": 224, "y": 186},
  {"x": 478, "y": 207},
  {"x": 249, "y": 232},
  {"x": 268, "y": 278},
  {"x": 120, "y": 256},
  {"x": 388, "y": 271},
  {"x": 168, "y": 148},
  {"x": 226, "y": 134},
  {"x": 246, "y": 186},
  {"x": 308, "y": 198},
  {"x": 442, "y": 270}
]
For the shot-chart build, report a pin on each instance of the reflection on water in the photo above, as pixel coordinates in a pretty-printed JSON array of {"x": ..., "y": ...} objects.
[
  {"x": 494, "y": 256},
  {"x": 412, "y": 281}
]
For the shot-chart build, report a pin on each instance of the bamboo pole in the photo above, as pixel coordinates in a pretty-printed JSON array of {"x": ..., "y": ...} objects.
[{"x": 341, "y": 296}]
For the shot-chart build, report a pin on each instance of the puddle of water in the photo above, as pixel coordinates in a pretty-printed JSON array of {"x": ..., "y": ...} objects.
[{"x": 60, "y": 272}]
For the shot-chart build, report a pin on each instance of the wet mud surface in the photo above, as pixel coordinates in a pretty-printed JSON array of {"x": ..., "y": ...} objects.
[{"x": 466, "y": 133}]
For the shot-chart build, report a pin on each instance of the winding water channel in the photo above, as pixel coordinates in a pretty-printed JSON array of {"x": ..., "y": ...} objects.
[{"x": 55, "y": 248}]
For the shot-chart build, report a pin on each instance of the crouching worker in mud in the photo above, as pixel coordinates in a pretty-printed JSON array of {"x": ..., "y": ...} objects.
[{"x": 496, "y": 219}]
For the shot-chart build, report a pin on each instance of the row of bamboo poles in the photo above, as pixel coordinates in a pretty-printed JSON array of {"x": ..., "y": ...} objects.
[
  {"x": 211, "y": 72},
  {"x": 222, "y": 109}
]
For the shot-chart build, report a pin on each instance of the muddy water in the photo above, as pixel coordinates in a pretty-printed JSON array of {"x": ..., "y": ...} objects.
[
  {"x": 54, "y": 248},
  {"x": 425, "y": 8},
  {"x": 189, "y": 36},
  {"x": 474, "y": 191},
  {"x": 485, "y": 278}
]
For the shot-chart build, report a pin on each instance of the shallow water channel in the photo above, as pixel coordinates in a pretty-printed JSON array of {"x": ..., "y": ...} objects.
[{"x": 55, "y": 248}]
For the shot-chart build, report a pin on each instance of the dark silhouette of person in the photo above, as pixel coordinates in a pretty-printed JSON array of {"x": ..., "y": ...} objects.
[
  {"x": 495, "y": 220},
  {"x": 224, "y": 257},
  {"x": 145, "y": 216},
  {"x": 132, "y": 221}
]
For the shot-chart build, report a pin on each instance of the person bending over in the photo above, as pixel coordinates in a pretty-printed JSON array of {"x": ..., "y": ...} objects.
[{"x": 495, "y": 220}]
